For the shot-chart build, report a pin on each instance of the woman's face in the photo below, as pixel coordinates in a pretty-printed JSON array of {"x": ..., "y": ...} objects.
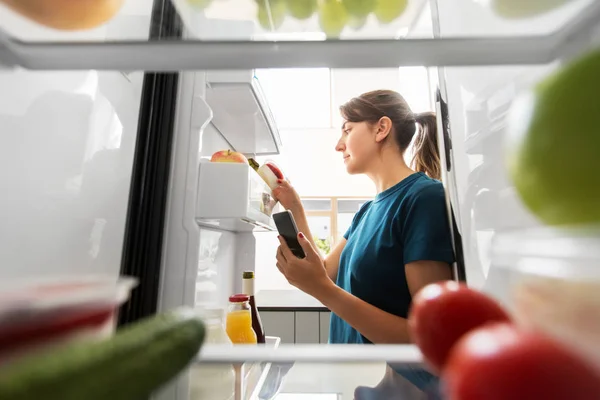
[{"x": 358, "y": 146}]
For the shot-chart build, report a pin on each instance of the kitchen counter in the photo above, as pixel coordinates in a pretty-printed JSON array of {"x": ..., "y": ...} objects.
[
  {"x": 347, "y": 381},
  {"x": 287, "y": 300}
]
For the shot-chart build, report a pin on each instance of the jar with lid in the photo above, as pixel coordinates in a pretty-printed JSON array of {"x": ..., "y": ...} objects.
[
  {"x": 212, "y": 381},
  {"x": 239, "y": 320}
]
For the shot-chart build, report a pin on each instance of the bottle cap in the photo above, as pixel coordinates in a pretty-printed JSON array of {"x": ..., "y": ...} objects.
[
  {"x": 248, "y": 275},
  {"x": 239, "y": 298}
]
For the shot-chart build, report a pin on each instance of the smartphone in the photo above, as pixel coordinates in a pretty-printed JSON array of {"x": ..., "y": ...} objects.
[{"x": 286, "y": 226}]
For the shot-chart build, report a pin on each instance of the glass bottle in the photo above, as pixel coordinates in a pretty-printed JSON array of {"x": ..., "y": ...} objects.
[
  {"x": 239, "y": 320},
  {"x": 212, "y": 381},
  {"x": 248, "y": 289}
]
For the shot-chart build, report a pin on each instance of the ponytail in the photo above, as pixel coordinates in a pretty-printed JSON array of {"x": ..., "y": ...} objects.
[{"x": 426, "y": 156}]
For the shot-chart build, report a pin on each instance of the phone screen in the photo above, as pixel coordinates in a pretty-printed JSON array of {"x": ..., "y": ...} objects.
[{"x": 286, "y": 226}]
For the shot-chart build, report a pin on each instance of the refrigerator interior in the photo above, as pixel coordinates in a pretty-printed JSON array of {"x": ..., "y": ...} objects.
[{"x": 69, "y": 140}]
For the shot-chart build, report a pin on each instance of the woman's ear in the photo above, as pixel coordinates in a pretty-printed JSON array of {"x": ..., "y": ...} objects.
[{"x": 383, "y": 129}]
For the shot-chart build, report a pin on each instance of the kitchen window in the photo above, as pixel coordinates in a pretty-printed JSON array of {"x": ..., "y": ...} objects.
[
  {"x": 330, "y": 217},
  {"x": 300, "y": 98}
]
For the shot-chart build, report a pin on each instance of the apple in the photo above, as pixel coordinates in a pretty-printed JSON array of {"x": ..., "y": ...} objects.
[
  {"x": 228, "y": 156},
  {"x": 332, "y": 17},
  {"x": 67, "y": 14},
  {"x": 387, "y": 11},
  {"x": 524, "y": 8},
  {"x": 270, "y": 173},
  {"x": 553, "y": 141}
]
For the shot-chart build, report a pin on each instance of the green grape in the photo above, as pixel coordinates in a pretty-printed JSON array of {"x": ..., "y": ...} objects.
[
  {"x": 301, "y": 9},
  {"x": 278, "y": 11},
  {"x": 332, "y": 17},
  {"x": 357, "y": 23},
  {"x": 388, "y": 10},
  {"x": 263, "y": 3},
  {"x": 199, "y": 4},
  {"x": 359, "y": 8}
]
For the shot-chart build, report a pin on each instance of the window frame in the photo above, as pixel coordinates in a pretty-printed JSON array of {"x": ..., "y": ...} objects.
[{"x": 332, "y": 213}]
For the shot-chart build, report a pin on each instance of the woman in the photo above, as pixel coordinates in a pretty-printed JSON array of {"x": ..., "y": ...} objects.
[{"x": 397, "y": 243}]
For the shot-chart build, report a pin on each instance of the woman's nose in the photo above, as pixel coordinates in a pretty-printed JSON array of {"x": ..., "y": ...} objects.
[{"x": 340, "y": 146}]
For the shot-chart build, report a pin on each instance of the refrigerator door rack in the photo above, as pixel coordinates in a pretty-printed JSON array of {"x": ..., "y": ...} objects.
[
  {"x": 241, "y": 112},
  {"x": 233, "y": 198}
]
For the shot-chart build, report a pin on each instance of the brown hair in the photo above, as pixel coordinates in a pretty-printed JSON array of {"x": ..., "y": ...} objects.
[{"x": 372, "y": 106}]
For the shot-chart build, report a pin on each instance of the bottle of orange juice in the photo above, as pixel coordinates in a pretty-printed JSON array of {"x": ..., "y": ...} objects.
[{"x": 239, "y": 320}]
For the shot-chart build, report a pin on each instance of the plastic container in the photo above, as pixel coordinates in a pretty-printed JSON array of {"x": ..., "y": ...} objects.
[
  {"x": 550, "y": 280},
  {"x": 39, "y": 313},
  {"x": 213, "y": 381}
]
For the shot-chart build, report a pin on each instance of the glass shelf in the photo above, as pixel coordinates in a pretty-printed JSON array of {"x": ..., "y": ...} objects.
[{"x": 228, "y": 35}]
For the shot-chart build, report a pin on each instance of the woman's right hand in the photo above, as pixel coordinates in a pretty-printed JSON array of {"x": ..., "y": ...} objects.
[{"x": 287, "y": 196}]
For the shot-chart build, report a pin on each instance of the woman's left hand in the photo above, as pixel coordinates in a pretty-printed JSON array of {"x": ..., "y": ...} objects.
[{"x": 307, "y": 274}]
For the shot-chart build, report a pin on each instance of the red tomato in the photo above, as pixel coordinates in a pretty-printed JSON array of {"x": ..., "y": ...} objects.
[
  {"x": 443, "y": 312},
  {"x": 498, "y": 362}
]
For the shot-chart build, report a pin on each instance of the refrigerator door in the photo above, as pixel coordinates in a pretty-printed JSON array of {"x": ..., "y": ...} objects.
[
  {"x": 66, "y": 158},
  {"x": 478, "y": 100}
]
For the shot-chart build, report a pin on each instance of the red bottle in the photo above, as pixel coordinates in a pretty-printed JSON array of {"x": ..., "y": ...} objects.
[{"x": 248, "y": 289}]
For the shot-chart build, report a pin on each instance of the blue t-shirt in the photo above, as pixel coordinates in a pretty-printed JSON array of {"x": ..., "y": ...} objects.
[{"x": 405, "y": 223}]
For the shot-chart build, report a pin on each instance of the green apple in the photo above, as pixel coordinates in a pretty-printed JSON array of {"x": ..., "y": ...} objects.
[
  {"x": 332, "y": 17},
  {"x": 388, "y": 10},
  {"x": 301, "y": 9},
  {"x": 359, "y": 8},
  {"x": 274, "y": 22},
  {"x": 515, "y": 9},
  {"x": 553, "y": 152},
  {"x": 199, "y": 4}
]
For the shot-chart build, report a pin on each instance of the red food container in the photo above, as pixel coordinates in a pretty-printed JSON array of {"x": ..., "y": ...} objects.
[{"x": 35, "y": 314}]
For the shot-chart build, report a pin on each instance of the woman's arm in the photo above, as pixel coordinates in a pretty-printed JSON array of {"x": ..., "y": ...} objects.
[
  {"x": 422, "y": 273},
  {"x": 310, "y": 275},
  {"x": 332, "y": 260},
  {"x": 375, "y": 324},
  {"x": 288, "y": 197}
]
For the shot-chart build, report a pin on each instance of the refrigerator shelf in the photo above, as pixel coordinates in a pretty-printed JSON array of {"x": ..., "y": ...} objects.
[
  {"x": 121, "y": 44},
  {"x": 309, "y": 353}
]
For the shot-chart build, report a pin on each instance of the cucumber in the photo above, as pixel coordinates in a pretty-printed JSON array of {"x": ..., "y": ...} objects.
[{"x": 131, "y": 365}]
